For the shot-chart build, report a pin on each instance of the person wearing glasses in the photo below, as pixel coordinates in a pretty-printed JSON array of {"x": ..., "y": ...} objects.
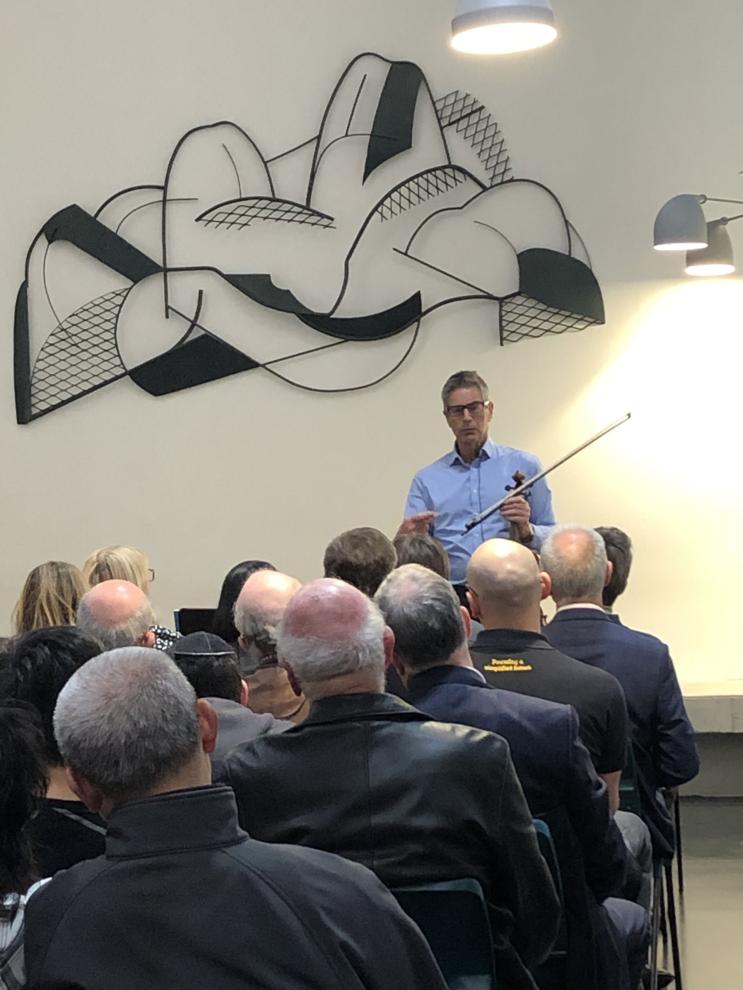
[{"x": 444, "y": 495}]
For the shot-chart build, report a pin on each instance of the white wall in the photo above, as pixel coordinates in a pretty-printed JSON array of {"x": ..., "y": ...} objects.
[{"x": 635, "y": 102}]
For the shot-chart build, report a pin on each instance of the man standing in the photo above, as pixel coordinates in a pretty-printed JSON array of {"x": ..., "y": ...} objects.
[
  {"x": 372, "y": 779},
  {"x": 183, "y": 897},
  {"x": 662, "y": 735},
  {"x": 472, "y": 476}
]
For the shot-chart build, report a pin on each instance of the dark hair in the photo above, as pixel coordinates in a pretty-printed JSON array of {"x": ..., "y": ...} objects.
[
  {"x": 38, "y": 665},
  {"x": 363, "y": 557},
  {"x": 619, "y": 552},
  {"x": 23, "y": 784},
  {"x": 420, "y": 548},
  {"x": 224, "y": 624},
  {"x": 211, "y": 676}
]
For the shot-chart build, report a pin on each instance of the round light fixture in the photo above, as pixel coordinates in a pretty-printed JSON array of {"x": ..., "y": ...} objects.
[
  {"x": 499, "y": 27},
  {"x": 716, "y": 258},
  {"x": 680, "y": 225}
]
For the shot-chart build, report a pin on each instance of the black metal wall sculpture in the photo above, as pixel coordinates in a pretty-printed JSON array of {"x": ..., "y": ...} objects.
[{"x": 399, "y": 205}]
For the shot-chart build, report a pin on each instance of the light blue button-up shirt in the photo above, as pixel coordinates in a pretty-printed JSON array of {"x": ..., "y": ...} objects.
[{"x": 457, "y": 491}]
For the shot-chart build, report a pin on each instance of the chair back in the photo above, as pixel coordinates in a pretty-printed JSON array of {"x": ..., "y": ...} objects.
[
  {"x": 191, "y": 620},
  {"x": 629, "y": 786},
  {"x": 453, "y": 916}
]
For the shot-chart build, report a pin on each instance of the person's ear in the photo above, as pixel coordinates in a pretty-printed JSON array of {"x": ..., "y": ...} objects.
[
  {"x": 149, "y": 639},
  {"x": 609, "y": 572},
  {"x": 546, "y": 585},
  {"x": 208, "y": 725},
  {"x": 244, "y": 693},
  {"x": 88, "y": 793},
  {"x": 466, "y": 622},
  {"x": 388, "y": 639},
  {"x": 474, "y": 604}
]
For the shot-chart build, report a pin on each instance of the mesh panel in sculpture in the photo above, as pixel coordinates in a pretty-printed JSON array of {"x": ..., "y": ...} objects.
[
  {"x": 419, "y": 189},
  {"x": 476, "y": 124},
  {"x": 80, "y": 354},
  {"x": 522, "y": 316},
  {"x": 245, "y": 212}
]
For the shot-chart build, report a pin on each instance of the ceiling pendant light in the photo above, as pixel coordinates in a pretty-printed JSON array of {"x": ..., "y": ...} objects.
[
  {"x": 680, "y": 224},
  {"x": 717, "y": 257},
  {"x": 498, "y": 27}
]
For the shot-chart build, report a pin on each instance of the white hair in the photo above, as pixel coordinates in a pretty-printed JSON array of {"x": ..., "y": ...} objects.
[
  {"x": 258, "y": 623},
  {"x": 131, "y": 632},
  {"x": 578, "y": 573},
  {"x": 127, "y": 720},
  {"x": 314, "y": 660}
]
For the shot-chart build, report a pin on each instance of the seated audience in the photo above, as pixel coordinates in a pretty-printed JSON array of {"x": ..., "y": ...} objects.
[
  {"x": 182, "y": 897},
  {"x": 117, "y": 613},
  {"x": 662, "y": 735},
  {"x": 372, "y": 779},
  {"x": 258, "y": 611},
  {"x": 37, "y": 667},
  {"x": 224, "y": 617},
  {"x": 210, "y": 666},
  {"x": 420, "y": 548},
  {"x": 22, "y": 786},
  {"x": 362, "y": 557},
  {"x": 49, "y": 597},
  {"x": 126, "y": 564},
  {"x": 555, "y": 770}
]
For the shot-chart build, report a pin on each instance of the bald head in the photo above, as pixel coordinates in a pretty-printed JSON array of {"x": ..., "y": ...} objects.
[
  {"x": 506, "y": 585},
  {"x": 333, "y": 639},
  {"x": 117, "y": 613},
  {"x": 261, "y": 605},
  {"x": 575, "y": 559}
]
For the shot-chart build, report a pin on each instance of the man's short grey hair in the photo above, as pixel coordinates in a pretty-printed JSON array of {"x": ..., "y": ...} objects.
[
  {"x": 464, "y": 379},
  {"x": 576, "y": 576},
  {"x": 129, "y": 633},
  {"x": 423, "y": 612},
  {"x": 126, "y": 721},
  {"x": 260, "y": 625},
  {"x": 315, "y": 660}
]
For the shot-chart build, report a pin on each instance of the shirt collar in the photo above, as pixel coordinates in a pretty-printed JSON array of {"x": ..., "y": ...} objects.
[
  {"x": 487, "y": 451},
  {"x": 597, "y": 608}
]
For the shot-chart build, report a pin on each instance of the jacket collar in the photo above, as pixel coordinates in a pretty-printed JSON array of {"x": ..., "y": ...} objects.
[
  {"x": 429, "y": 679},
  {"x": 353, "y": 707},
  {"x": 510, "y": 639},
  {"x": 197, "y": 818}
]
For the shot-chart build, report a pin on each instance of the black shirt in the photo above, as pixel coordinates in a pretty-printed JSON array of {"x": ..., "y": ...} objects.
[
  {"x": 64, "y": 833},
  {"x": 521, "y": 661}
]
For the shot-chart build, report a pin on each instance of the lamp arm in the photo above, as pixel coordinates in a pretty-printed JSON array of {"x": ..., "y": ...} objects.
[
  {"x": 713, "y": 199},
  {"x": 726, "y": 220}
]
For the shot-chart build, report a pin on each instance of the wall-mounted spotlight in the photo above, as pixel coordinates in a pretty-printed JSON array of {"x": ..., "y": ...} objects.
[
  {"x": 681, "y": 226},
  {"x": 498, "y": 27}
]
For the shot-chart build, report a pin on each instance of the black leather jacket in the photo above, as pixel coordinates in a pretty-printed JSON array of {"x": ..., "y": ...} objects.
[{"x": 372, "y": 779}]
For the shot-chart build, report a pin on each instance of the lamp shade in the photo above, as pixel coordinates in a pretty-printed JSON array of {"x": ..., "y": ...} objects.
[
  {"x": 716, "y": 258},
  {"x": 497, "y": 27},
  {"x": 680, "y": 225}
]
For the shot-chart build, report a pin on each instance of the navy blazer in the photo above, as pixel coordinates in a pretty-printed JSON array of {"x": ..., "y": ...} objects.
[
  {"x": 662, "y": 735},
  {"x": 560, "y": 786}
]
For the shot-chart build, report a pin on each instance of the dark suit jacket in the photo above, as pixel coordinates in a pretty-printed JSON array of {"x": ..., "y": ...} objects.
[
  {"x": 372, "y": 779},
  {"x": 183, "y": 898},
  {"x": 662, "y": 735},
  {"x": 561, "y": 787}
]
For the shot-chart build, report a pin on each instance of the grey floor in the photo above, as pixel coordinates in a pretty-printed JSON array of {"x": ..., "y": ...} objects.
[{"x": 712, "y": 919}]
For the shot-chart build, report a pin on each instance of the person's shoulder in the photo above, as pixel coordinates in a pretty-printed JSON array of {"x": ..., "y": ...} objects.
[
  {"x": 54, "y": 897},
  {"x": 644, "y": 640},
  {"x": 524, "y": 457},
  {"x": 434, "y": 468}
]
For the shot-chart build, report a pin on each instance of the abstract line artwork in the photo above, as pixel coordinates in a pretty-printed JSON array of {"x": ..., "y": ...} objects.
[{"x": 399, "y": 205}]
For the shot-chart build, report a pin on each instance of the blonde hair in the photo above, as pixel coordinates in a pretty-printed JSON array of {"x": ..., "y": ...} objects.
[
  {"x": 49, "y": 597},
  {"x": 117, "y": 563}
]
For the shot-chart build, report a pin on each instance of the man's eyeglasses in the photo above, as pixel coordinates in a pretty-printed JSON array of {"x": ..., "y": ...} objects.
[
  {"x": 473, "y": 408},
  {"x": 150, "y": 574}
]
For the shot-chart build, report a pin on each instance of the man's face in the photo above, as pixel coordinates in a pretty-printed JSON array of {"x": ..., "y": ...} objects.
[{"x": 468, "y": 417}]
